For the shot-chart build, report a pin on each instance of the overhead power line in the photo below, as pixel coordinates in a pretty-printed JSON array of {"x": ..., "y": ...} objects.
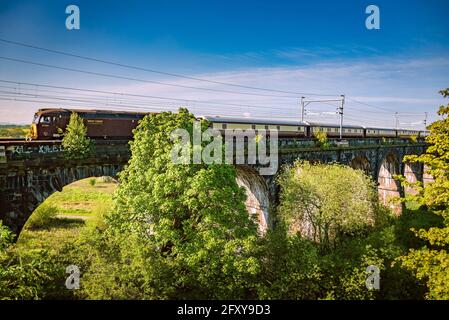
[
  {"x": 136, "y": 95},
  {"x": 369, "y": 105},
  {"x": 121, "y": 107},
  {"x": 96, "y": 100},
  {"x": 287, "y": 94},
  {"x": 139, "y": 80},
  {"x": 123, "y": 65},
  {"x": 158, "y": 71}
]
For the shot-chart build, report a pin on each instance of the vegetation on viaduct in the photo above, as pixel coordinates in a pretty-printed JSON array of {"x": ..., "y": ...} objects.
[{"x": 184, "y": 232}]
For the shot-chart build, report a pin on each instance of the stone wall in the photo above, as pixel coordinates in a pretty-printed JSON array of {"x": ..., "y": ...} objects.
[{"x": 32, "y": 171}]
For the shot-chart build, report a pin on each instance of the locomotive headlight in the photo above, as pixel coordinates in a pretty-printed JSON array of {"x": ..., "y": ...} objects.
[{"x": 33, "y": 131}]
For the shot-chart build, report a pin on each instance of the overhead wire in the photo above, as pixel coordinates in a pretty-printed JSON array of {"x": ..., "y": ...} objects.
[
  {"x": 157, "y": 71},
  {"x": 291, "y": 94}
]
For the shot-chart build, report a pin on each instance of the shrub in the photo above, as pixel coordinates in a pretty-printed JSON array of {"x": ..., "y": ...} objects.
[
  {"x": 34, "y": 274},
  {"x": 6, "y": 236},
  {"x": 431, "y": 263},
  {"x": 194, "y": 234},
  {"x": 75, "y": 141},
  {"x": 322, "y": 140},
  {"x": 92, "y": 181},
  {"x": 326, "y": 202},
  {"x": 42, "y": 216}
]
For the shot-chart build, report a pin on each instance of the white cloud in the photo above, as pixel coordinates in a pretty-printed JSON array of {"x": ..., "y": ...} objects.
[{"x": 395, "y": 84}]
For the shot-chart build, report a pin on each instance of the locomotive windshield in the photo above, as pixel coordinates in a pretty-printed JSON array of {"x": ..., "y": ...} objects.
[
  {"x": 45, "y": 119},
  {"x": 36, "y": 119}
]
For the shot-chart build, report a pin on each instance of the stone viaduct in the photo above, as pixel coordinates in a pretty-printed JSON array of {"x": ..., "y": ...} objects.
[{"x": 30, "y": 171}]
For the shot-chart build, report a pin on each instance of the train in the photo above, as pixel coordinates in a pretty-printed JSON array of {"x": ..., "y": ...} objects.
[
  {"x": 115, "y": 125},
  {"x": 310, "y": 129},
  {"x": 101, "y": 124}
]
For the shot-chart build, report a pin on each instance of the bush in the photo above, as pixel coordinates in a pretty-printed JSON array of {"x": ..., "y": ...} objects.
[
  {"x": 326, "y": 202},
  {"x": 322, "y": 140},
  {"x": 193, "y": 235},
  {"x": 75, "y": 141},
  {"x": 6, "y": 236},
  {"x": 289, "y": 267},
  {"x": 42, "y": 216},
  {"x": 92, "y": 181},
  {"x": 34, "y": 274}
]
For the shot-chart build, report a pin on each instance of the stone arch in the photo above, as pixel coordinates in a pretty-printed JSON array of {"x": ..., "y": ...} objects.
[
  {"x": 388, "y": 187},
  {"x": 361, "y": 163},
  {"x": 427, "y": 177},
  {"x": 26, "y": 190},
  {"x": 258, "y": 200},
  {"x": 314, "y": 161},
  {"x": 413, "y": 174}
]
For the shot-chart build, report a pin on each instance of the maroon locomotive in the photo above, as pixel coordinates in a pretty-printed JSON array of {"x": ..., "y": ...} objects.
[{"x": 101, "y": 124}]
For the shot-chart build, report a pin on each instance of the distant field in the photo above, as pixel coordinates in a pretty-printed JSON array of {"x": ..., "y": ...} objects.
[
  {"x": 78, "y": 206},
  {"x": 14, "y": 131}
]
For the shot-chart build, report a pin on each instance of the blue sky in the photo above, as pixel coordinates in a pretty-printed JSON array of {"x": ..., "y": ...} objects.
[{"x": 301, "y": 46}]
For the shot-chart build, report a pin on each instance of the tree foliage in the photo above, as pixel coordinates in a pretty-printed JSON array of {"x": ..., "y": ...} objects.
[
  {"x": 192, "y": 234},
  {"x": 342, "y": 230},
  {"x": 325, "y": 202},
  {"x": 432, "y": 261},
  {"x": 75, "y": 142},
  {"x": 322, "y": 139},
  {"x": 34, "y": 274}
]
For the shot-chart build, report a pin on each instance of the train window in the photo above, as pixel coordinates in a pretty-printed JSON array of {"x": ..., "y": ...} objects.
[
  {"x": 45, "y": 119},
  {"x": 349, "y": 130},
  {"x": 328, "y": 129},
  {"x": 36, "y": 118}
]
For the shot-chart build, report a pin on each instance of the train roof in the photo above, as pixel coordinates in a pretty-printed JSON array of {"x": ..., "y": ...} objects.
[
  {"x": 224, "y": 119},
  {"x": 88, "y": 111},
  {"x": 322, "y": 124},
  {"x": 287, "y": 122}
]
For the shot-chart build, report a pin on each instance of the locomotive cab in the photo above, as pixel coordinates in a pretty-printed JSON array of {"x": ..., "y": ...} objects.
[
  {"x": 45, "y": 126},
  {"x": 100, "y": 124}
]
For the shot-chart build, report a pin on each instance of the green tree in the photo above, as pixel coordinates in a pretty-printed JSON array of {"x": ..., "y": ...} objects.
[
  {"x": 325, "y": 202},
  {"x": 330, "y": 228},
  {"x": 322, "y": 140},
  {"x": 431, "y": 263},
  {"x": 75, "y": 142},
  {"x": 6, "y": 236},
  {"x": 32, "y": 274},
  {"x": 191, "y": 234}
]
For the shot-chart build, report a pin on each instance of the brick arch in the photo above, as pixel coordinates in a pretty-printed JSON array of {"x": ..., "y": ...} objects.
[
  {"x": 413, "y": 172},
  {"x": 426, "y": 177},
  {"x": 258, "y": 199},
  {"x": 314, "y": 161},
  {"x": 388, "y": 187},
  {"x": 37, "y": 184},
  {"x": 361, "y": 163}
]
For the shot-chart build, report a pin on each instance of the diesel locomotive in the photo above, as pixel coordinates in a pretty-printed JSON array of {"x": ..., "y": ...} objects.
[{"x": 103, "y": 124}]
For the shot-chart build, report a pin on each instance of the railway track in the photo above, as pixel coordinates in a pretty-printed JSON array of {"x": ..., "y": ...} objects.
[{"x": 12, "y": 139}]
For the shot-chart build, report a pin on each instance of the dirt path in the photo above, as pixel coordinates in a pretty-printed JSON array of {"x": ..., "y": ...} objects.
[{"x": 73, "y": 217}]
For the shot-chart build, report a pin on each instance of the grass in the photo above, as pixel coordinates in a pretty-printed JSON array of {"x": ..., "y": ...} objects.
[
  {"x": 77, "y": 207},
  {"x": 14, "y": 131}
]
